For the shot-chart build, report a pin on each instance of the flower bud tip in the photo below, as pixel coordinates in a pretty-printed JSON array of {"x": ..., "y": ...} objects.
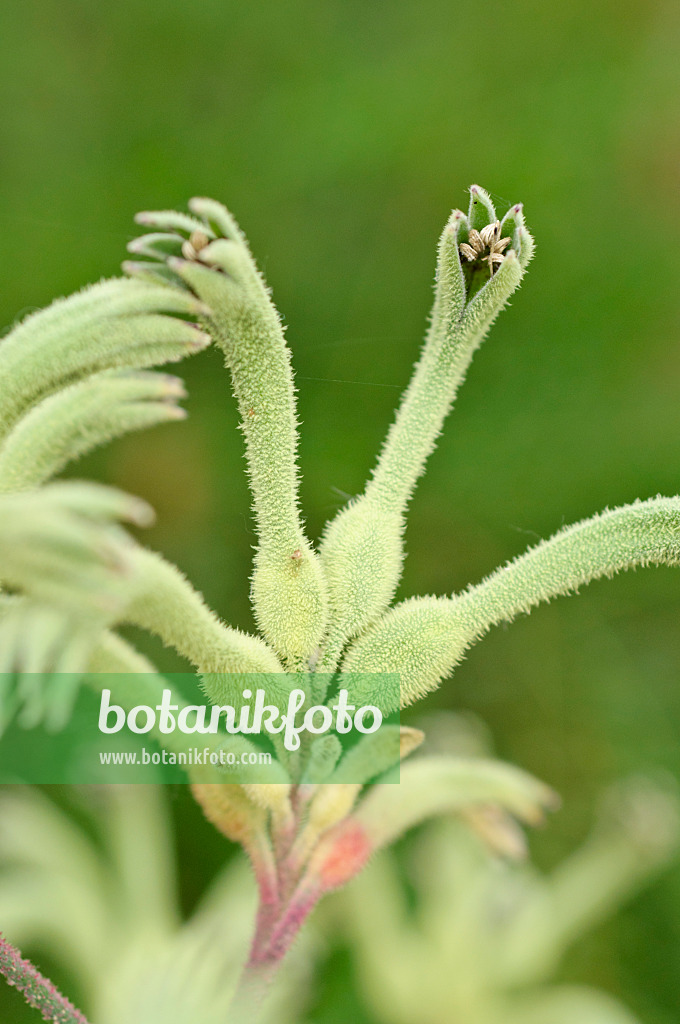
[
  {"x": 173, "y": 387},
  {"x": 133, "y": 267},
  {"x": 176, "y": 263},
  {"x": 199, "y": 341},
  {"x": 176, "y": 412},
  {"x": 201, "y": 308},
  {"x": 139, "y": 512}
]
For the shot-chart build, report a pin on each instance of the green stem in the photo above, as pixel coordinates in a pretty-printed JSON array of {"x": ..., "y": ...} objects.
[
  {"x": 170, "y": 607},
  {"x": 247, "y": 1006},
  {"x": 448, "y": 351},
  {"x": 133, "y": 680},
  {"x": 424, "y": 638},
  {"x": 644, "y": 533}
]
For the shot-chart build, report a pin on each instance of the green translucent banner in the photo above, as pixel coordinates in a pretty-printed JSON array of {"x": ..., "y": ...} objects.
[{"x": 121, "y": 728}]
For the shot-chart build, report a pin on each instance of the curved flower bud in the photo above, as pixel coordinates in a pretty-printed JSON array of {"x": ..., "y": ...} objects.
[
  {"x": 62, "y": 544},
  {"x": 118, "y": 323},
  {"x": 70, "y": 423},
  {"x": 436, "y": 785},
  {"x": 288, "y": 588}
]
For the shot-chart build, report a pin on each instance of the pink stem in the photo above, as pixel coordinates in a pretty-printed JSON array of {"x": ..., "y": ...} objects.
[
  {"x": 284, "y": 908},
  {"x": 284, "y": 931},
  {"x": 38, "y": 991}
]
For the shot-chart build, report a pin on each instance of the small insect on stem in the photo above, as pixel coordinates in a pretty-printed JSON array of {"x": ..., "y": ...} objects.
[
  {"x": 485, "y": 246},
  {"x": 197, "y": 241}
]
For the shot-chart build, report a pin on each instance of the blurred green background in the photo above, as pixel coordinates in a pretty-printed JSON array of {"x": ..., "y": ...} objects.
[{"x": 341, "y": 133}]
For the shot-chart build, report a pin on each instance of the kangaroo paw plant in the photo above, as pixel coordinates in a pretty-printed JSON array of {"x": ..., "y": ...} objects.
[{"x": 78, "y": 374}]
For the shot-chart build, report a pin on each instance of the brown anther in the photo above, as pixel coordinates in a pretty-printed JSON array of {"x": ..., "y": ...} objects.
[
  {"x": 251, "y": 412},
  {"x": 485, "y": 246},
  {"x": 197, "y": 241},
  {"x": 297, "y": 555}
]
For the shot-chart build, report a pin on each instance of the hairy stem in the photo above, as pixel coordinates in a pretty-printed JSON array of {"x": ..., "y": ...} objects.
[
  {"x": 288, "y": 589},
  {"x": 448, "y": 351},
  {"x": 424, "y": 638},
  {"x": 170, "y": 607},
  {"x": 644, "y": 533},
  {"x": 133, "y": 680},
  {"x": 38, "y": 991}
]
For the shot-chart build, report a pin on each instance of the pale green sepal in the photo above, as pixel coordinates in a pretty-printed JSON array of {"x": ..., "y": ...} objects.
[
  {"x": 156, "y": 245},
  {"x": 172, "y": 221},
  {"x": 370, "y": 757},
  {"x": 488, "y": 302},
  {"x": 145, "y": 270},
  {"x": 62, "y": 545},
  {"x": 111, "y": 298},
  {"x": 450, "y": 281},
  {"x": 482, "y": 210},
  {"x": 439, "y": 785},
  {"x": 116, "y": 324},
  {"x": 521, "y": 241},
  {"x": 324, "y": 754},
  {"x": 526, "y": 247},
  {"x": 43, "y": 655},
  {"x": 512, "y": 223},
  {"x": 217, "y": 217}
]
